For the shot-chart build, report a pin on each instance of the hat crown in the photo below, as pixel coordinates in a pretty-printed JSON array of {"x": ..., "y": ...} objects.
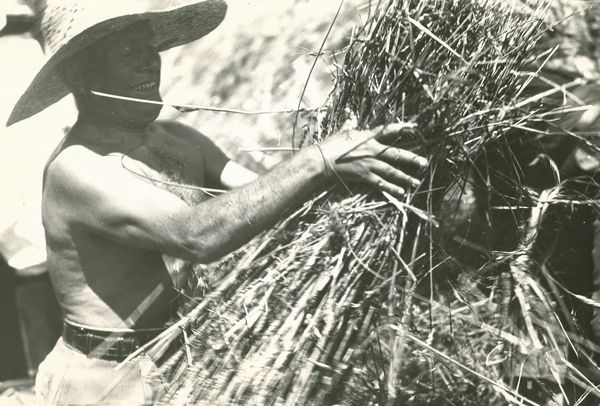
[{"x": 64, "y": 19}]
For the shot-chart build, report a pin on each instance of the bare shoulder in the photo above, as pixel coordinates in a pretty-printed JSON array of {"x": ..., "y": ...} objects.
[
  {"x": 77, "y": 163},
  {"x": 102, "y": 192},
  {"x": 182, "y": 132},
  {"x": 77, "y": 180},
  {"x": 78, "y": 175},
  {"x": 179, "y": 134}
]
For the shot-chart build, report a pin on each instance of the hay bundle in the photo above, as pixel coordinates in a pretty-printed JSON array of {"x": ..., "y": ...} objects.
[{"x": 341, "y": 302}]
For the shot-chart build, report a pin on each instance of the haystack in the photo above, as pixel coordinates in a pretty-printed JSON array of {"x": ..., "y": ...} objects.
[{"x": 360, "y": 298}]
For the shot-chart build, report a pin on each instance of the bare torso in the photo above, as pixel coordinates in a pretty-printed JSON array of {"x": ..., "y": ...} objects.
[{"x": 105, "y": 283}]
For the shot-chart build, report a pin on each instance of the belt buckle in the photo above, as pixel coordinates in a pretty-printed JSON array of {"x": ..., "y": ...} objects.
[
  {"x": 123, "y": 347},
  {"x": 113, "y": 350}
]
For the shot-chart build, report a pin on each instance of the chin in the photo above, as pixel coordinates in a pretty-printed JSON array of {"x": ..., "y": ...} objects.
[
  {"x": 145, "y": 115},
  {"x": 140, "y": 113}
]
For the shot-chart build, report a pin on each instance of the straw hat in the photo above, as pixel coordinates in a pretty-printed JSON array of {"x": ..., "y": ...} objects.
[{"x": 69, "y": 26}]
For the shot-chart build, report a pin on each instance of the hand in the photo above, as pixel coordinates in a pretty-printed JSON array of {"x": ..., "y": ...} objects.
[{"x": 355, "y": 155}]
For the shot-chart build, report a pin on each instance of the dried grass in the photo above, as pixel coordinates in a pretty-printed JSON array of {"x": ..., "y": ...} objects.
[{"x": 357, "y": 298}]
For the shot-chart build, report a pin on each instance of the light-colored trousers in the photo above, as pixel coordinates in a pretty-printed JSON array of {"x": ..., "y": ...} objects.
[{"x": 69, "y": 377}]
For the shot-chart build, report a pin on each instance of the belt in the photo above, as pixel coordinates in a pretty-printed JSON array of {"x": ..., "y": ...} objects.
[{"x": 115, "y": 345}]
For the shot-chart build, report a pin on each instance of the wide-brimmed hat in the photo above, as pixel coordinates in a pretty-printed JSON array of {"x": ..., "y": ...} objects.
[{"x": 69, "y": 26}]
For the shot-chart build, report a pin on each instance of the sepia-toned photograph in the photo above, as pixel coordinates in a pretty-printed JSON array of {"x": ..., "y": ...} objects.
[{"x": 300, "y": 202}]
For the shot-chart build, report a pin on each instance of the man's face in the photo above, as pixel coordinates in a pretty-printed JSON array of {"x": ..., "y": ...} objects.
[{"x": 128, "y": 64}]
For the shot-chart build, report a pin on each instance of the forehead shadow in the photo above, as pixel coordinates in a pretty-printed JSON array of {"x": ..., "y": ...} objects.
[
  {"x": 140, "y": 30},
  {"x": 90, "y": 61}
]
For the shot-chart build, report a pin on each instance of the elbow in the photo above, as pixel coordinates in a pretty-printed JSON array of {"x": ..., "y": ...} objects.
[
  {"x": 211, "y": 239},
  {"x": 203, "y": 249}
]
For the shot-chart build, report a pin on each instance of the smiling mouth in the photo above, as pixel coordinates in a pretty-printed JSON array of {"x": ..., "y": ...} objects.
[{"x": 146, "y": 86}]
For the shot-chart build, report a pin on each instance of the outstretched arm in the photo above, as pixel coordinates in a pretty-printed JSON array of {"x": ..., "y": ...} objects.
[{"x": 96, "y": 193}]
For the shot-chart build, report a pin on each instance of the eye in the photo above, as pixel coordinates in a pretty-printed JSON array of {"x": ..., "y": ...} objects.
[{"x": 126, "y": 49}]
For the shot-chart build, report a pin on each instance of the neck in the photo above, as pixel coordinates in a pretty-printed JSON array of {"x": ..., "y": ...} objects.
[{"x": 91, "y": 131}]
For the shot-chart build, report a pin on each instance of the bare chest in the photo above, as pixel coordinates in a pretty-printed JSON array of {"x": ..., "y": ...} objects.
[{"x": 170, "y": 169}]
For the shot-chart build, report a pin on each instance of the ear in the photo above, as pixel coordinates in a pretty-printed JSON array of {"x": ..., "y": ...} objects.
[{"x": 80, "y": 72}]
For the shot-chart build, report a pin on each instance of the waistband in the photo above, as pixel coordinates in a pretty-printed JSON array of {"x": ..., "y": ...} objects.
[{"x": 106, "y": 344}]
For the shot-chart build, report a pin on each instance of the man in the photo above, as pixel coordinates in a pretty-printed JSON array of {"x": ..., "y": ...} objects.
[{"x": 107, "y": 224}]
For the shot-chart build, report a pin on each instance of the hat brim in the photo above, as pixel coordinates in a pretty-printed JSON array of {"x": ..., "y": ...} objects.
[{"x": 173, "y": 27}]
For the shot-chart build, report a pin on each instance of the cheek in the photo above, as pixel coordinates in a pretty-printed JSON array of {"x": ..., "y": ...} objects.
[
  {"x": 98, "y": 81},
  {"x": 113, "y": 79}
]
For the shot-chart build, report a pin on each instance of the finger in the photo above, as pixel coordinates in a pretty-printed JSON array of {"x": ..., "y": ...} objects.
[
  {"x": 392, "y": 174},
  {"x": 384, "y": 185},
  {"x": 397, "y": 156},
  {"x": 393, "y": 130}
]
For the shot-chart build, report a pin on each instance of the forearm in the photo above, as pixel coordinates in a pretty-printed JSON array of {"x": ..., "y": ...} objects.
[
  {"x": 223, "y": 224},
  {"x": 109, "y": 200}
]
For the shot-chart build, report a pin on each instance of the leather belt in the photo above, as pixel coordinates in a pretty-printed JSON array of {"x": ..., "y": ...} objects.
[{"x": 111, "y": 345}]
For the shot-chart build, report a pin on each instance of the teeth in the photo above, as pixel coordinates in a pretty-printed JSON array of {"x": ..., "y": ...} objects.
[{"x": 145, "y": 86}]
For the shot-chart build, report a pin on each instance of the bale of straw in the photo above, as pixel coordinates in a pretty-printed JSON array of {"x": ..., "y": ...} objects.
[{"x": 349, "y": 299}]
